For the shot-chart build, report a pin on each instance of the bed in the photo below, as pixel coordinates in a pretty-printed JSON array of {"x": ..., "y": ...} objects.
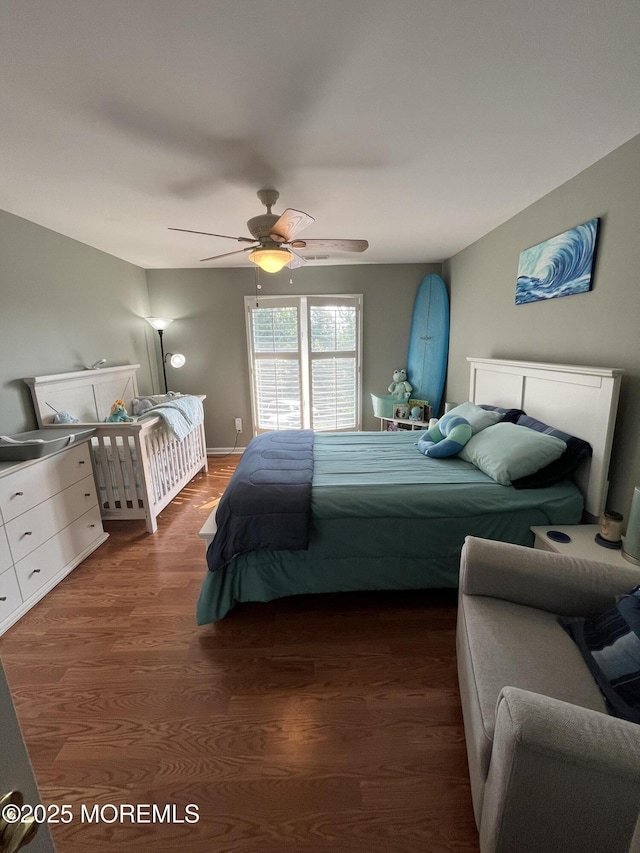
[
  {"x": 383, "y": 516},
  {"x": 139, "y": 466}
]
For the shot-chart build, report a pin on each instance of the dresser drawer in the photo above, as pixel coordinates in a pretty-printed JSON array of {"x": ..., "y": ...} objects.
[
  {"x": 46, "y": 561},
  {"x": 39, "y": 480},
  {"x": 5, "y": 553},
  {"x": 31, "y": 529},
  {"x": 10, "y": 598}
]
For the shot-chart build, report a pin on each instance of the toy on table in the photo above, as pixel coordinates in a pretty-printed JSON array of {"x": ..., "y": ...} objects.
[
  {"x": 118, "y": 413},
  {"x": 400, "y": 387},
  {"x": 445, "y": 438}
]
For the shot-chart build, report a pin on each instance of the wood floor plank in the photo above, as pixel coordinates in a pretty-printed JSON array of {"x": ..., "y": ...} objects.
[{"x": 307, "y": 725}]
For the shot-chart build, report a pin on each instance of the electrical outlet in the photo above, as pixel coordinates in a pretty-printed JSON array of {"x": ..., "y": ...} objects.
[{"x": 238, "y": 423}]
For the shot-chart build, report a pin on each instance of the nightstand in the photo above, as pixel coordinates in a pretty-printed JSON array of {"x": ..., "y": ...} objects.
[{"x": 582, "y": 545}]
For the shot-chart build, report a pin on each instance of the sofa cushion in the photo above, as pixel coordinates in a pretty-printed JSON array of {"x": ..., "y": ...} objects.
[
  {"x": 514, "y": 645},
  {"x": 610, "y": 646}
]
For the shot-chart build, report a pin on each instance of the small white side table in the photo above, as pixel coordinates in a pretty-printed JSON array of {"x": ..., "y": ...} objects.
[
  {"x": 412, "y": 425},
  {"x": 582, "y": 544}
]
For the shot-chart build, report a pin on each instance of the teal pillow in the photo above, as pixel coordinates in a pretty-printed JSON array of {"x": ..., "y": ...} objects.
[
  {"x": 478, "y": 418},
  {"x": 507, "y": 452}
]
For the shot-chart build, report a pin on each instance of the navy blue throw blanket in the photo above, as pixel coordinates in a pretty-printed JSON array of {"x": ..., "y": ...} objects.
[{"x": 267, "y": 503}]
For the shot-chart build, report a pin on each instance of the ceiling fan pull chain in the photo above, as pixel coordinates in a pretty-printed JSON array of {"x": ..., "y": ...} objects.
[{"x": 256, "y": 277}]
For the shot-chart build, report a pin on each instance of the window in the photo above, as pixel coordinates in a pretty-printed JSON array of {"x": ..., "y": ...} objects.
[{"x": 304, "y": 359}]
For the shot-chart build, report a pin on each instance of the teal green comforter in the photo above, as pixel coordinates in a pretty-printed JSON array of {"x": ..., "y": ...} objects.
[{"x": 384, "y": 516}]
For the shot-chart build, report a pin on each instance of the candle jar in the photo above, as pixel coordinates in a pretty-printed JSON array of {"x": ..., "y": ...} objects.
[{"x": 610, "y": 534}]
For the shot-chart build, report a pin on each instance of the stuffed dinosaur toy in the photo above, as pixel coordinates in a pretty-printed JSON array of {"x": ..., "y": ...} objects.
[
  {"x": 445, "y": 438},
  {"x": 118, "y": 413},
  {"x": 400, "y": 387}
]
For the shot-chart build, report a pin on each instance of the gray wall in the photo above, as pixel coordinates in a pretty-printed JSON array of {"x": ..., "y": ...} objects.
[
  {"x": 210, "y": 329},
  {"x": 63, "y": 305},
  {"x": 600, "y": 328}
]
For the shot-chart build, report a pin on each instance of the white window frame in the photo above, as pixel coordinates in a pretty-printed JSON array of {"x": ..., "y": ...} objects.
[{"x": 304, "y": 354}]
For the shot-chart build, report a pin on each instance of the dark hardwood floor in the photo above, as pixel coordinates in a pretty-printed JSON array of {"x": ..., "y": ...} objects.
[{"x": 318, "y": 724}]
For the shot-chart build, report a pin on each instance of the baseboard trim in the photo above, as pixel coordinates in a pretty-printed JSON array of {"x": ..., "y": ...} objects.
[{"x": 225, "y": 451}]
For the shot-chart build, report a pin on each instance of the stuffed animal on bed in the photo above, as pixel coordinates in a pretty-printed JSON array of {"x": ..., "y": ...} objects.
[
  {"x": 445, "y": 438},
  {"x": 118, "y": 413},
  {"x": 400, "y": 387}
]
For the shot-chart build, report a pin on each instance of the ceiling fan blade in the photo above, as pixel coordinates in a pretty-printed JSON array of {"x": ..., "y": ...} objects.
[
  {"x": 209, "y": 234},
  {"x": 290, "y": 223},
  {"x": 331, "y": 245},
  {"x": 296, "y": 261},
  {"x": 227, "y": 254}
]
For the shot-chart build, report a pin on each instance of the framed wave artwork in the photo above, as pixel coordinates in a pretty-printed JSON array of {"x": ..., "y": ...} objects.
[{"x": 561, "y": 266}]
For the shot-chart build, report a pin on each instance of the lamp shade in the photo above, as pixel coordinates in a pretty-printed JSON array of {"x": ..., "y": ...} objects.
[
  {"x": 271, "y": 260},
  {"x": 158, "y": 323},
  {"x": 176, "y": 359}
]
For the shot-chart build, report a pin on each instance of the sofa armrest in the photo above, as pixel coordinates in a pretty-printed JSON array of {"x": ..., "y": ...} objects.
[
  {"x": 561, "y": 777},
  {"x": 547, "y": 581}
]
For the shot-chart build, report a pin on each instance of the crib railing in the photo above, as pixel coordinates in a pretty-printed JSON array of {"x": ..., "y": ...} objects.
[{"x": 140, "y": 469}]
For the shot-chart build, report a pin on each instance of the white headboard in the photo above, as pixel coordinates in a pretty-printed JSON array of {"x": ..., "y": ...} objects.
[
  {"x": 86, "y": 394},
  {"x": 579, "y": 400}
]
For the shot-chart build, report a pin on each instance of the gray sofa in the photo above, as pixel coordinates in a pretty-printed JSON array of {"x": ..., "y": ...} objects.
[{"x": 550, "y": 769}]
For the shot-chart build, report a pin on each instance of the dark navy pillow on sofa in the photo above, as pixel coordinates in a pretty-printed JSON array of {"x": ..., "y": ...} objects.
[
  {"x": 563, "y": 468},
  {"x": 610, "y": 646}
]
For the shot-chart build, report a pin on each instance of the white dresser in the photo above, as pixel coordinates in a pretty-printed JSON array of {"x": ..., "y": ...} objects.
[{"x": 49, "y": 522}]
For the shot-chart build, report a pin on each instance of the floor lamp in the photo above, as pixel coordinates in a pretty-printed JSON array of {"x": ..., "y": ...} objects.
[{"x": 177, "y": 359}]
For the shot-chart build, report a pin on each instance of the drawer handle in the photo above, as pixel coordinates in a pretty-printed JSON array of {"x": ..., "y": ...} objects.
[
  {"x": 3, "y": 597},
  {"x": 92, "y": 525},
  {"x": 28, "y": 533},
  {"x": 87, "y": 494},
  {"x": 36, "y": 571},
  {"x": 81, "y": 462},
  {"x": 19, "y": 494}
]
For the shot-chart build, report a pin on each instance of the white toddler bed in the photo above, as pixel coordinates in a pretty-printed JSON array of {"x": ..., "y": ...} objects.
[{"x": 139, "y": 468}]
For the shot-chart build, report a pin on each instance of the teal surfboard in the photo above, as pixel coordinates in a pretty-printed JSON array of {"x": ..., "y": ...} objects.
[{"x": 429, "y": 342}]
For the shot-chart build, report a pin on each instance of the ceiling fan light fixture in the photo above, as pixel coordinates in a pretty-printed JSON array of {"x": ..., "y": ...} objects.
[{"x": 271, "y": 260}]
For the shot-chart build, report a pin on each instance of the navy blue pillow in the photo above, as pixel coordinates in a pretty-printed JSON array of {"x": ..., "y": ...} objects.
[
  {"x": 563, "y": 468},
  {"x": 610, "y": 646}
]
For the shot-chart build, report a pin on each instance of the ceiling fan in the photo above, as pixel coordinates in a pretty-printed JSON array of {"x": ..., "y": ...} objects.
[{"x": 275, "y": 238}]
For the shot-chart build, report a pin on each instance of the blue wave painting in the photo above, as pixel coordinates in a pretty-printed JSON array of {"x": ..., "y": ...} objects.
[{"x": 561, "y": 266}]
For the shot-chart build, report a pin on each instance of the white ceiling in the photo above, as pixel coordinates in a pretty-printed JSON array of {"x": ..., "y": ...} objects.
[{"x": 419, "y": 125}]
